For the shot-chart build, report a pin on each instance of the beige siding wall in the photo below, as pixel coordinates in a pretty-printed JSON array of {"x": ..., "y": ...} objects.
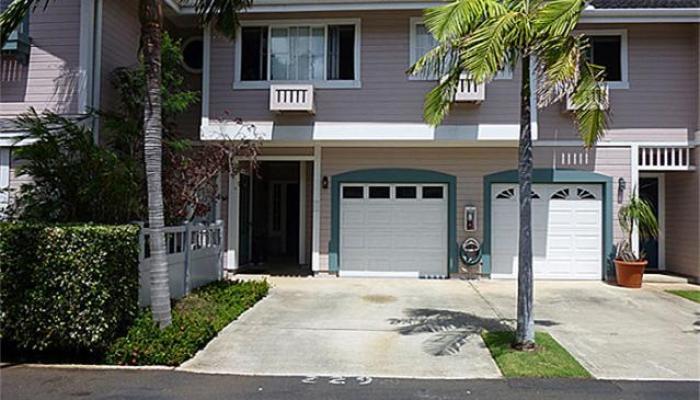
[
  {"x": 121, "y": 31},
  {"x": 683, "y": 222},
  {"x": 51, "y": 79},
  {"x": 387, "y": 95},
  {"x": 662, "y": 100},
  {"x": 468, "y": 165}
]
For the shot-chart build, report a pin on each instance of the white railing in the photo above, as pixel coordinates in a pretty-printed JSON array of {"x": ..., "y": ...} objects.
[
  {"x": 292, "y": 98},
  {"x": 665, "y": 158},
  {"x": 470, "y": 91},
  {"x": 194, "y": 254}
]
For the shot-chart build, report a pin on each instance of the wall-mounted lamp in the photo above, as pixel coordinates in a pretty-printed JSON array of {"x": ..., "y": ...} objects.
[
  {"x": 324, "y": 182},
  {"x": 621, "y": 186}
]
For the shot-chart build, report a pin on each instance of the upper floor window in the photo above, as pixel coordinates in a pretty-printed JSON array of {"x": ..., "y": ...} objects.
[
  {"x": 422, "y": 41},
  {"x": 608, "y": 49},
  {"x": 325, "y": 54}
]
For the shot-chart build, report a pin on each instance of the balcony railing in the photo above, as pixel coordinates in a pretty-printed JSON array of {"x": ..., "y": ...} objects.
[
  {"x": 665, "y": 158},
  {"x": 470, "y": 91},
  {"x": 292, "y": 98}
]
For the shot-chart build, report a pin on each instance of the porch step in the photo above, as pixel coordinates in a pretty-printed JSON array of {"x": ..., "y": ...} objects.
[{"x": 663, "y": 278}]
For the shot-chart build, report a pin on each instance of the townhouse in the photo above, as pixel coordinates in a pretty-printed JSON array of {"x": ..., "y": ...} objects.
[{"x": 353, "y": 182}]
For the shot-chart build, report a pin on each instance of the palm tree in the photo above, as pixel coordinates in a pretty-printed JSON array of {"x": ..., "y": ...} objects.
[
  {"x": 223, "y": 14},
  {"x": 486, "y": 36}
]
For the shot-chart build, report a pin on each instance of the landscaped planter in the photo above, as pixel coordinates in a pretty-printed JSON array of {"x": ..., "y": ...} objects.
[{"x": 630, "y": 273}]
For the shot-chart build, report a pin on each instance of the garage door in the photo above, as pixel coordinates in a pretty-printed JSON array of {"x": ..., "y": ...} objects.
[
  {"x": 566, "y": 229},
  {"x": 393, "y": 230}
]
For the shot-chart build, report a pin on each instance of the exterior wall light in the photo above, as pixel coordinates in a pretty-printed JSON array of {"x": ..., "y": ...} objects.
[
  {"x": 621, "y": 186},
  {"x": 324, "y": 182}
]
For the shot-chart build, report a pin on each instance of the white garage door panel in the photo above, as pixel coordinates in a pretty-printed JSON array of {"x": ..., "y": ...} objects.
[
  {"x": 398, "y": 237},
  {"x": 566, "y": 231}
]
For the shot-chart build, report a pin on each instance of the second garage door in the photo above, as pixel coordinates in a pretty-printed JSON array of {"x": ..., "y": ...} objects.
[
  {"x": 393, "y": 230},
  {"x": 566, "y": 231}
]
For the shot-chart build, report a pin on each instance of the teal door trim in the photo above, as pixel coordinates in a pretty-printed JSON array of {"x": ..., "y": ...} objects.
[
  {"x": 554, "y": 176},
  {"x": 393, "y": 175}
]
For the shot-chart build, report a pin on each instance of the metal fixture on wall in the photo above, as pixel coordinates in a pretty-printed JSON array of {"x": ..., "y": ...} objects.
[{"x": 621, "y": 186}]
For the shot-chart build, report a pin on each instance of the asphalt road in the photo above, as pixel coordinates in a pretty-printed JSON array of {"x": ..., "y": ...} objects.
[{"x": 22, "y": 382}]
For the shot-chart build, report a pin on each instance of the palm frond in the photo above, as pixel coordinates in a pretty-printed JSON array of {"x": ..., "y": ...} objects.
[
  {"x": 639, "y": 212},
  {"x": 14, "y": 14},
  {"x": 558, "y": 17},
  {"x": 461, "y": 17},
  {"x": 558, "y": 61},
  {"x": 487, "y": 49},
  {"x": 437, "y": 62},
  {"x": 438, "y": 100},
  {"x": 590, "y": 101},
  {"x": 222, "y": 13}
]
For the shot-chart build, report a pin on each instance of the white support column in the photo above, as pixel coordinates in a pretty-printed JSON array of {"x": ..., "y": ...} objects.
[
  {"x": 662, "y": 222},
  {"x": 302, "y": 213},
  {"x": 206, "y": 61},
  {"x": 634, "y": 190},
  {"x": 234, "y": 220},
  {"x": 316, "y": 234}
]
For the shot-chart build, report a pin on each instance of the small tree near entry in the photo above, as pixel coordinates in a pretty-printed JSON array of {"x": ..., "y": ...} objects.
[{"x": 486, "y": 36}]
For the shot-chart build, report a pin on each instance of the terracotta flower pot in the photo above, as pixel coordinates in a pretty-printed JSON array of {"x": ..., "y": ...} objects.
[{"x": 629, "y": 274}]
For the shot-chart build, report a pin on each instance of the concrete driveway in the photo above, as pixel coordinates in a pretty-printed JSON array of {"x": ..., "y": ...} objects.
[
  {"x": 357, "y": 327},
  {"x": 428, "y": 329},
  {"x": 616, "y": 333}
]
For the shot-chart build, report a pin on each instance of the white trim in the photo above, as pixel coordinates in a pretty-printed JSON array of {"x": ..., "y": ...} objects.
[
  {"x": 234, "y": 221},
  {"x": 612, "y": 143},
  {"x": 634, "y": 190},
  {"x": 316, "y": 213},
  {"x": 623, "y": 83},
  {"x": 378, "y": 274},
  {"x": 97, "y": 71},
  {"x": 238, "y": 84},
  {"x": 370, "y": 131},
  {"x": 86, "y": 54},
  {"x": 661, "y": 177},
  {"x": 206, "y": 73},
  {"x": 4, "y": 176},
  {"x": 534, "y": 118},
  {"x": 590, "y": 15},
  {"x": 302, "y": 213}
]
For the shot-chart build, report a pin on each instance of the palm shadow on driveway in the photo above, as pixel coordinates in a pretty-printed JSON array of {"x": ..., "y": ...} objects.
[{"x": 450, "y": 329}]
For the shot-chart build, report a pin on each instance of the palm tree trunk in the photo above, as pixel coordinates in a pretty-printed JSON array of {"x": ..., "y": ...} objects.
[
  {"x": 151, "y": 19},
  {"x": 525, "y": 331}
]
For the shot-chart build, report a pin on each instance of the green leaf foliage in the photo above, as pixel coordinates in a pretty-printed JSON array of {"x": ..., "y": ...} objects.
[
  {"x": 71, "y": 179},
  {"x": 67, "y": 288},
  {"x": 197, "y": 318}
]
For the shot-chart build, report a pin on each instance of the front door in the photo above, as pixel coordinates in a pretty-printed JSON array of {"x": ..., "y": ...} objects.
[{"x": 649, "y": 191}]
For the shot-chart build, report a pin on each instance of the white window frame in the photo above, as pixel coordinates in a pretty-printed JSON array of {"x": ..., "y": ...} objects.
[
  {"x": 286, "y": 23},
  {"x": 624, "y": 54},
  {"x": 506, "y": 73}
]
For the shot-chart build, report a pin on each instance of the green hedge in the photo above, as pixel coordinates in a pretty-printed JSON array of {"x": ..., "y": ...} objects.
[
  {"x": 197, "y": 318},
  {"x": 67, "y": 288}
]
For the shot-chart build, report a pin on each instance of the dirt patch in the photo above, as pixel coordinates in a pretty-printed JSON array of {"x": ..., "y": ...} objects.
[{"x": 378, "y": 298}]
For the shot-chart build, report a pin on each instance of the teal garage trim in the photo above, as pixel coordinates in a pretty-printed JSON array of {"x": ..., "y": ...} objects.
[
  {"x": 545, "y": 175},
  {"x": 393, "y": 175}
]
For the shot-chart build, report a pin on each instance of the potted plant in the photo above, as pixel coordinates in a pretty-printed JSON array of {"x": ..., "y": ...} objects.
[{"x": 629, "y": 265}]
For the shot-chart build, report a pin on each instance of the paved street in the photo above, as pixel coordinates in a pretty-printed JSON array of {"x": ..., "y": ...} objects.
[{"x": 30, "y": 383}]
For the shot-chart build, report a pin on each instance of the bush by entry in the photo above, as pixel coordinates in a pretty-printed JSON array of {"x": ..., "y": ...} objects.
[
  {"x": 197, "y": 318},
  {"x": 67, "y": 289},
  {"x": 550, "y": 360}
]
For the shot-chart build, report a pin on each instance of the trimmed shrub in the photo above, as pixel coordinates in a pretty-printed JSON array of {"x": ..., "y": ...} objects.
[
  {"x": 67, "y": 289},
  {"x": 197, "y": 318}
]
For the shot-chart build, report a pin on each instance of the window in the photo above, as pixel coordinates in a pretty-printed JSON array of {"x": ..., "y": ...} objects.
[
  {"x": 608, "y": 48},
  {"x": 506, "y": 194},
  {"x": 306, "y": 52},
  {"x": 192, "y": 51},
  {"x": 353, "y": 192},
  {"x": 406, "y": 192},
  {"x": 584, "y": 194},
  {"x": 379, "y": 192},
  {"x": 422, "y": 41},
  {"x": 561, "y": 194},
  {"x": 432, "y": 192}
]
